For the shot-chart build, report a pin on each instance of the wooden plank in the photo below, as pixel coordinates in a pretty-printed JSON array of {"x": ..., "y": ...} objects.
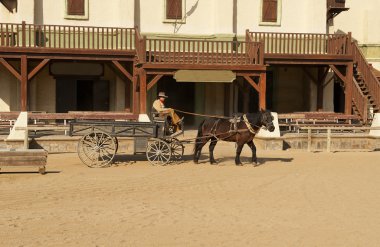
[
  {"x": 153, "y": 81},
  {"x": 262, "y": 92},
  {"x": 19, "y": 158},
  {"x": 348, "y": 88},
  {"x": 23, "y": 163},
  {"x": 122, "y": 69},
  {"x": 10, "y": 68},
  {"x": 338, "y": 73},
  {"x": 24, "y": 83},
  {"x": 40, "y": 66},
  {"x": 253, "y": 84}
]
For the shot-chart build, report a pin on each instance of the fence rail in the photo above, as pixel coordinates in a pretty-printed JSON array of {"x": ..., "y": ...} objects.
[
  {"x": 66, "y": 37},
  {"x": 303, "y": 43},
  {"x": 204, "y": 52}
]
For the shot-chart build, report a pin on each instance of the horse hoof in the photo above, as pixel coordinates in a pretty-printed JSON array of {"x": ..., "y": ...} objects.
[{"x": 239, "y": 164}]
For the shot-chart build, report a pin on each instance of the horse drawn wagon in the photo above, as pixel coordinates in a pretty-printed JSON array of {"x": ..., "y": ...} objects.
[
  {"x": 157, "y": 139},
  {"x": 99, "y": 143}
]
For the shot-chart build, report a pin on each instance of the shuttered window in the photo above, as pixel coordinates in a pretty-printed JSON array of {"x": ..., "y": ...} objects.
[
  {"x": 75, "y": 7},
  {"x": 173, "y": 9},
  {"x": 269, "y": 10}
]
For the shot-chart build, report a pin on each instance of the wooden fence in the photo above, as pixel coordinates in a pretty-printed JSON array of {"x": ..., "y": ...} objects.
[
  {"x": 303, "y": 43},
  {"x": 204, "y": 52},
  {"x": 66, "y": 37}
]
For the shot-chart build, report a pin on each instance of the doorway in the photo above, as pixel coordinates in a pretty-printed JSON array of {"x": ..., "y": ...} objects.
[{"x": 82, "y": 95}]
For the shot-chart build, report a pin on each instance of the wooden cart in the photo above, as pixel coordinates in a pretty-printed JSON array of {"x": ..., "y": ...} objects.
[{"x": 99, "y": 143}]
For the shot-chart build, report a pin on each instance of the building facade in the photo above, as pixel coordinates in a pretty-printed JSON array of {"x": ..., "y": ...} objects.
[{"x": 86, "y": 55}]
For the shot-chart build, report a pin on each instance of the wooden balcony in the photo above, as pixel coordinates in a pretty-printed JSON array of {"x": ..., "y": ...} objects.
[
  {"x": 88, "y": 42},
  {"x": 169, "y": 53},
  {"x": 303, "y": 48},
  {"x": 60, "y": 40}
]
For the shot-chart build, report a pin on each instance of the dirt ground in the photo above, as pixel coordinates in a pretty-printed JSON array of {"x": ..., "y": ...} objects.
[{"x": 293, "y": 198}]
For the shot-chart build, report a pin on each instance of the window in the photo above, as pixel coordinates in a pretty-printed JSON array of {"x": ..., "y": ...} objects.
[
  {"x": 270, "y": 12},
  {"x": 174, "y": 11},
  {"x": 76, "y": 9}
]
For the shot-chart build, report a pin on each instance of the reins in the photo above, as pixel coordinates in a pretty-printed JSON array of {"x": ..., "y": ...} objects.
[{"x": 202, "y": 115}]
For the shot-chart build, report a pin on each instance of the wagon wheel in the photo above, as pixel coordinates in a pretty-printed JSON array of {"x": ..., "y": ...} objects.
[
  {"x": 177, "y": 149},
  {"x": 158, "y": 152},
  {"x": 97, "y": 149}
]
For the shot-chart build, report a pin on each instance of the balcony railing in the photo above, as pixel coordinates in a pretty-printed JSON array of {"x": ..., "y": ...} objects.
[
  {"x": 204, "y": 52},
  {"x": 66, "y": 37},
  {"x": 303, "y": 43}
]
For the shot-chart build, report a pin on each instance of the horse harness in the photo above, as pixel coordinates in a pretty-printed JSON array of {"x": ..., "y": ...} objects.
[
  {"x": 236, "y": 119},
  {"x": 233, "y": 127}
]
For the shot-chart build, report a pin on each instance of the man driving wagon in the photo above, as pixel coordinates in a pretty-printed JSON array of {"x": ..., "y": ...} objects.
[{"x": 167, "y": 113}]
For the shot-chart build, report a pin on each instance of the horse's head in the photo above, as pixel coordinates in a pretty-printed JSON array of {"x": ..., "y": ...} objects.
[{"x": 267, "y": 120}]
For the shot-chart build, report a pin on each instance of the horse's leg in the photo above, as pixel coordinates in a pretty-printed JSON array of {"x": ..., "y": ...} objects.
[
  {"x": 252, "y": 145},
  {"x": 238, "y": 152},
  {"x": 198, "y": 149},
  {"x": 211, "y": 148}
]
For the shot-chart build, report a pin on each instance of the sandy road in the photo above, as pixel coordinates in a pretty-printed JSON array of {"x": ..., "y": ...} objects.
[{"x": 292, "y": 199}]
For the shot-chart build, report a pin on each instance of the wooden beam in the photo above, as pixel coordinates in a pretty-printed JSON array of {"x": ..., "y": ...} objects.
[
  {"x": 24, "y": 83},
  {"x": 10, "y": 68},
  {"x": 262, "y": 92},
  {"x": 135, "y": 94},
  {"x": 122, "y": 69},
  {"x": 153, "y": 81},
  {"x": 348, "y": 89},
  {"x": 127, "y": 97},
  {"x": 154, "y": 72},
  {"x": 247, "y": 74},
  {"x": 253, "y": 84},
  {"x": 337, "y": 72},
  {"x": 40, "y": 66},
  {"x": 143, "y": 91}
]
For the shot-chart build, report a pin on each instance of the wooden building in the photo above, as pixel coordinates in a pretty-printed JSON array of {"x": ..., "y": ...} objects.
[{"x": 93, "y": 55}]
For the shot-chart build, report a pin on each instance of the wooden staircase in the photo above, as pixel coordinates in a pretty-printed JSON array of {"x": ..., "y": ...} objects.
[{"x": 366, "y": 79}]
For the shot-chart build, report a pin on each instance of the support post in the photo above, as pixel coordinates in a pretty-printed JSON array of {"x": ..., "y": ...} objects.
[
  {"x": 24, "y": 83},
  {"x": 135, "y": 94},
  {"x": 142, "y": 91},
  {"x": 328, "y": 145},
  {"x": 348, "y": 89},
  {"x": 263, "y": 90}
]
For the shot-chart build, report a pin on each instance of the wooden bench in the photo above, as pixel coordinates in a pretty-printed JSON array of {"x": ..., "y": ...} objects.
[{"x": 24, "y": 157}]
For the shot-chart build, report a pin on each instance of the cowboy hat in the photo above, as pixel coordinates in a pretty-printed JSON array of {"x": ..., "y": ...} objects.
[{"x": 162, "y": 95}]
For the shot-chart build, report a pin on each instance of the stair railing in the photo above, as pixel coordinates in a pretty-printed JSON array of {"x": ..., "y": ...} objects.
[
  {"x": 360, "y": 101},
  {"x": 369, "y": 78}
]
